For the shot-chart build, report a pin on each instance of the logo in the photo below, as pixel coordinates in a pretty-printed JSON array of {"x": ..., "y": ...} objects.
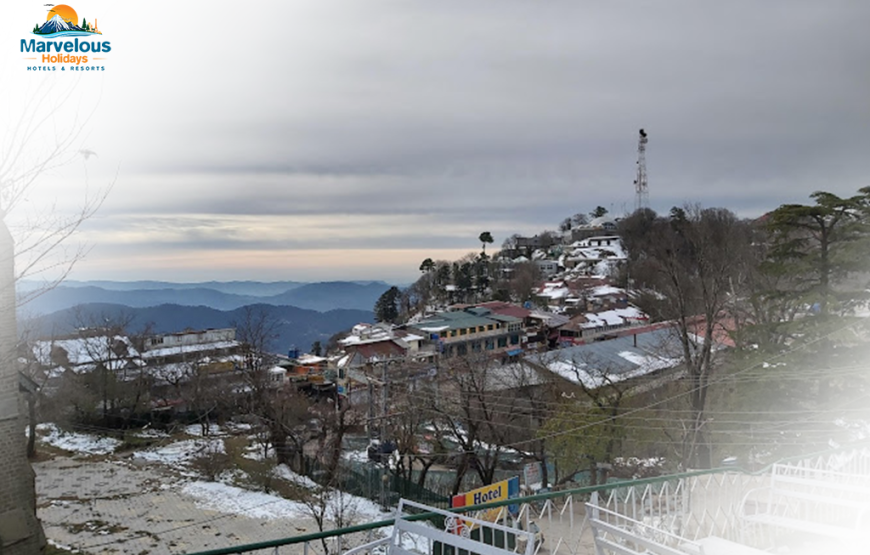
[
  {"x": 63, "y": 21},
  {"x": 63, "y": 41}
]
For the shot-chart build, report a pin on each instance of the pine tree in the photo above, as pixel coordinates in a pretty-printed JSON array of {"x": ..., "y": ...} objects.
[
  {"x": 598, "y": 212},
  {"x": 821, "y": 244},
  {"x": 387, "y": 305}
]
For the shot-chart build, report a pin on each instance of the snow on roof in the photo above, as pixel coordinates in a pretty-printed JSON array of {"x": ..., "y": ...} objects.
[
  {"x": 311, "y": 359},
  {"x": 601, "y": 221},
  {"x": 434, "y": 329},
  {"x": 554, "y": 290},
  {"x": 595, "y": 364},
  {"x": 603, "y": 290},
  {"x": 187, "y": 349},
  {"x": 614, "y": 317},
  {"x": 85, "y": 350}
]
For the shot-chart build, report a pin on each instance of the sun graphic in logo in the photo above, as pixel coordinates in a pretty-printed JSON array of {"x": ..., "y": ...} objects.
[{"x": 65, "y": 12}]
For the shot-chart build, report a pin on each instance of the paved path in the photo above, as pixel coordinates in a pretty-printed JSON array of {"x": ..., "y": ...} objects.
[{"x": 115, "y": 506}]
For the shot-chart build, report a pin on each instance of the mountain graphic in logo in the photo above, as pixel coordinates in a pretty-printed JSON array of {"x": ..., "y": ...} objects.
[{"x": 63, "y": 21}]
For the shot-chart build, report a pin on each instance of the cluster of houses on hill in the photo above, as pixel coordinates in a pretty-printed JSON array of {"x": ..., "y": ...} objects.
[
  {"x": 577, "y": 308},
  {"x": 588, "y": 250}
]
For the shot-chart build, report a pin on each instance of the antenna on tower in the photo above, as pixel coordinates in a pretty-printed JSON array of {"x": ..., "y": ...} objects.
[{"x": 641, "y": 199}]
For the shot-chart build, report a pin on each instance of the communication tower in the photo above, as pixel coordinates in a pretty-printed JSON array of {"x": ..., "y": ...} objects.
[{"x": 640, "y": 184}]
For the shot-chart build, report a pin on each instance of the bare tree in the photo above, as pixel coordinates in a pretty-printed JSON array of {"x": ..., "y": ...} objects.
[
  {"x": 420, "y": 440},
  {"x": 597, "y": 410},
  {"x": 31, "y": 149},
  {"x": 109, "y": 366},
  {"x": 689, "y": 260},
  {"x": 328, "y": 504},
  {"x": 26, "y": 154},
  {"x": 524, "y": 278},
  {"x": 478, "y": 416}
]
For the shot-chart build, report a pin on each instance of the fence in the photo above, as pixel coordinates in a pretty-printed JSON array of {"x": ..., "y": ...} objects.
[
  {"x": 376, "y": 483},
  {"x": 698, "y": 504}
]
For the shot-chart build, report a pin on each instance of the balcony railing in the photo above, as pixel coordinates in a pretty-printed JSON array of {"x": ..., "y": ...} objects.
[{"x": 691, "y": 505}]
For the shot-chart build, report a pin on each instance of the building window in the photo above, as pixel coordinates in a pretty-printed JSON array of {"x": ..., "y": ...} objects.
[
  {"x": 462, "y": 350},
  {"x": 463, "y": 331},
  {"x": 502, "y": 342},
  {"x": 490, "y": 327},
  {"x": 515, "y": 340},
  {"x": 490, "y": 345},
  {"x": 475, "y": 347}
]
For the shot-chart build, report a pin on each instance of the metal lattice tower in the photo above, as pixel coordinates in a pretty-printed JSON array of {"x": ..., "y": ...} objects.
[{"x": 640, "y": 184}]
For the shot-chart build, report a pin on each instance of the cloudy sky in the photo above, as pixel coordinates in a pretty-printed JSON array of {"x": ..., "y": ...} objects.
[{"x": 317, "y": 139}]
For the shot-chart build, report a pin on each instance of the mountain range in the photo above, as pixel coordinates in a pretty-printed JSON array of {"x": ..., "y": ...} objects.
[
  {"x": 293, "y": 326},
  {"x": 324, "y": 296}
]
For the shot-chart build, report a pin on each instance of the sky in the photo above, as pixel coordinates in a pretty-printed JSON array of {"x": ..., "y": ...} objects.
[{"x": 324, "y": 140}]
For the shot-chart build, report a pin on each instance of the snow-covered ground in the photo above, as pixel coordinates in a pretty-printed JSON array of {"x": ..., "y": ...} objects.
[
  {"x": 167, "y": 494},
  {"x": 195, "y": 430},
  {"x": 76, "y": 442},
  {"x": 179, "y": 453},
  {"x": 283, "y": 471},
  {"x": 224, "y": 498}
]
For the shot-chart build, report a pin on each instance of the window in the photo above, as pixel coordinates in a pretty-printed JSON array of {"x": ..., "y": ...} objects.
[
  {"x": 490, "y": 344},
  {"x": 475, "y": 347},
  {"x": 502, "y": 342},
  {"x": 481, "y": 328},
  {"x": 463, "y": 331},
  {"x": 515, "y": 340},
  {"x": 490, "y": 327},
  {"x": 462, "y": 350}
]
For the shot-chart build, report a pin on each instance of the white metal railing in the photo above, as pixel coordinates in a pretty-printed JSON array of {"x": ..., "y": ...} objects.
[
  {"x": 460, "y": 533},
  {"x": 694, "y": 506}
]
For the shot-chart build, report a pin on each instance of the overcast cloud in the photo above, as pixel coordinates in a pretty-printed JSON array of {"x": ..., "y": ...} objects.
[{"x": 341, "y": 140}]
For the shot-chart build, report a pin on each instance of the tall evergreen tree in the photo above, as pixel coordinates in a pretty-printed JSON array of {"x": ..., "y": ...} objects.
[
  {"x": 427, "y": 266},
  {"x": 387, "y": 305},
  {"x": 485, "y": 237},
  {"x": 598, "y": 212},
  {"x": 820, "y": 245}
]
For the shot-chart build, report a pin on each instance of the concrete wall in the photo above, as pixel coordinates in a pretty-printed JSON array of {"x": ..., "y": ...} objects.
[{"x": 20, "y": 532}]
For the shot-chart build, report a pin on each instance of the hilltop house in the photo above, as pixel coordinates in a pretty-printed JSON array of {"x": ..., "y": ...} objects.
[{"x": 472, "y": 330}]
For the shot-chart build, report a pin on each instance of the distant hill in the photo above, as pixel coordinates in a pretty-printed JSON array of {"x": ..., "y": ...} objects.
[
  {"x": 251, "y": 288},
  {"x": 295, "y": 326},
  {"x": 315, "y": 296},
  {"x": 327, "y": 295}
]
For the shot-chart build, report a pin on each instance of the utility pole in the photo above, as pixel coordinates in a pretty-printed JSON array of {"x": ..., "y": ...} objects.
[{"x": 641, "y": 187}]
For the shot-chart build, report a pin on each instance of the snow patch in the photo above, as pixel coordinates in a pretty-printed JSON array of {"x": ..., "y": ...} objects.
[
  {"x": 181, "y": 452},
  {"x": 283, "y": 471},
  {"x": 224, "y": 498},
  {"x": 75, "y": 441}
]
